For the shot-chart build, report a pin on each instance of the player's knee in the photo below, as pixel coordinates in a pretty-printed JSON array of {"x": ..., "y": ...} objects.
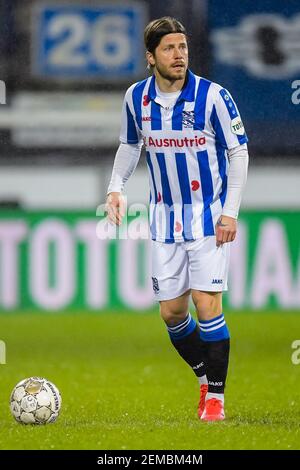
[
  {"x": 208, "y": 305},
  {"x": 170, "y": 315},
  {"x": 175, "y": 310}
]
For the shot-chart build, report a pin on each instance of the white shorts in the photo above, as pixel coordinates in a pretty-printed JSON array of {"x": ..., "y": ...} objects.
[{"x": 198, "y": 264}]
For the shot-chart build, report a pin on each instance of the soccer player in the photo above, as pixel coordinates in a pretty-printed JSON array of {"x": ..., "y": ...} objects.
[{"x": 197, "y": 159}]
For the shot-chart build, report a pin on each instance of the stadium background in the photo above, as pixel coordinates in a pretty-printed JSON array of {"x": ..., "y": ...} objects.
[{"x": 79, "y": 309}]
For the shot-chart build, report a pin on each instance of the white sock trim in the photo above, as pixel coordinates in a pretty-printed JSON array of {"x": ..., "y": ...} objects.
[
  {"x": 203, "y": 380},
  {"x": 218, "y": 396},
  {"x": 183, "y": 324}
]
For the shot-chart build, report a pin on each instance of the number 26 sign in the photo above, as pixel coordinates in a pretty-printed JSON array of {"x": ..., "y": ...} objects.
[{"x": 88, "y": 42}]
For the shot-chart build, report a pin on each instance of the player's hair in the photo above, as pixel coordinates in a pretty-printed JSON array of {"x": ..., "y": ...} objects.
[{"x": 158, "y": 28}]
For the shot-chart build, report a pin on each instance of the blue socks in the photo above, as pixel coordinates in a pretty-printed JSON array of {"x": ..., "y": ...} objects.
[
  {"x": 185, "y": 337},
  {"x": 214, "y": 330},
  {"x": 182, "y": 329},
  {"x": 215, "y": 335},
  {"x": 205, "y": 348}
]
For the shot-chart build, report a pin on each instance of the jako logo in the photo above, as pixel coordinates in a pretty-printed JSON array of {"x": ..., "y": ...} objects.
[
  {"x": 198, "y": 366},
  {"x": 216, "y": 384},
  {"x": 217, "y": 281}
]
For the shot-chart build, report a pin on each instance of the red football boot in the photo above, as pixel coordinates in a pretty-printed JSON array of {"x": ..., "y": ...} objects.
[
  {"x": 201, "y": 405},
  {"x": 213, "y": 410}
]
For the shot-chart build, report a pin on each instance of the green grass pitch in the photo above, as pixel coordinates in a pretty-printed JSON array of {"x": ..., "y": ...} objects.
[{"x": 123, "y": 385}]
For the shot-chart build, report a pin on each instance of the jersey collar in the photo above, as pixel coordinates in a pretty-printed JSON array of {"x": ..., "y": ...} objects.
[{"x": 187, "y": 93}]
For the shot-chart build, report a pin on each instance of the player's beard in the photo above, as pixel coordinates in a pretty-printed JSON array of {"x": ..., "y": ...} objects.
[{"x": 172, "y": 77}]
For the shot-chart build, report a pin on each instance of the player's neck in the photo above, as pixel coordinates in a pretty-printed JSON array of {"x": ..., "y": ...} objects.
[{"x": 168, "y": 86}]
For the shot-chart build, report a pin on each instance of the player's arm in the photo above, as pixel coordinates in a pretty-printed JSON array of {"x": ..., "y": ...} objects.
[
  {"x": 230, "y": 134},
  {"x": 126, "y": 160},
  {"x": 125, "y": 163},
  {"x": 237, "y": 176}
]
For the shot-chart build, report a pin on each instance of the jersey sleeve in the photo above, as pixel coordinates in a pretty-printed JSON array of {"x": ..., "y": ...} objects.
[
  {"x": 226, "y": 121},
  {"x": 130, "y": 132}
]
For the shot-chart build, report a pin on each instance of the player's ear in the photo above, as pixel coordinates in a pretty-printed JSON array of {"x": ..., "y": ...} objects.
[{"x": 150, "y": 59}]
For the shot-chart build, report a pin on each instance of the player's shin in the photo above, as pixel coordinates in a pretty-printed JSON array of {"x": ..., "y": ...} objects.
[
  {"x": 185, "y": 337},
  {"x": 215, "y": 335}
]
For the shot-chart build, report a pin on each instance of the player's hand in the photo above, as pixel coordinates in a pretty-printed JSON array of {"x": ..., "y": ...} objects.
[
  {"x": 116, "y": 207},
  {"x": 225, "y": 229}
]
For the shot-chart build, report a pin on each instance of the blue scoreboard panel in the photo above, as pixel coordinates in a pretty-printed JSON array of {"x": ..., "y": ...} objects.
[{"x": 73, "y": 42}]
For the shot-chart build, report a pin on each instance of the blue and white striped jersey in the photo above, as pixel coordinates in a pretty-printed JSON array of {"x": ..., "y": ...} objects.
[{"x": 186, "y": 153}]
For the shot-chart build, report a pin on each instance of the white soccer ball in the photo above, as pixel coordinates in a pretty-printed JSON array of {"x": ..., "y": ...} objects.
[{"x": 35, "y": 401}]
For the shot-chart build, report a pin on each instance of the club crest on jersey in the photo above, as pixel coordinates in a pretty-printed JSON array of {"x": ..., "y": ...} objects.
[
  {"x": 155, "y": 285},
  {"x": 188, "y": 118}
]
